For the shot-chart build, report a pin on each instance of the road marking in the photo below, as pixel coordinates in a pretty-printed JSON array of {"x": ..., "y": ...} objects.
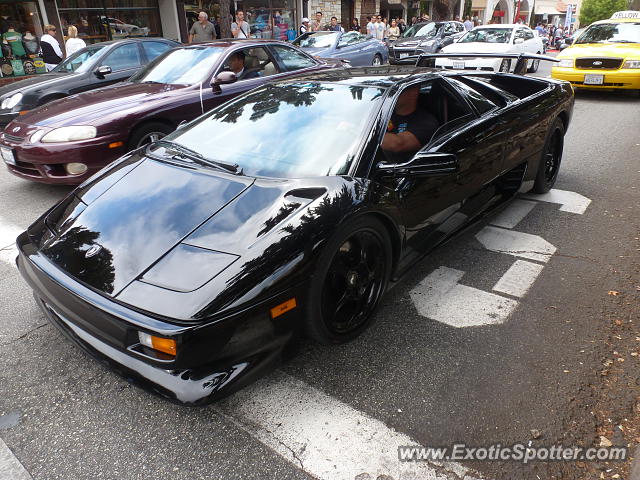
[
  {"x": 8, "y": 249},
  {"x": 518, "y": 244},
  {"x": 519, "y": 278},
  {"x": 513, "y": 214},
  {"x": 323, "y": 436},
  {"x": 569, "y": 201},
  {"x": 440, "y": 297},
  {"x": 10, "y": 467}
]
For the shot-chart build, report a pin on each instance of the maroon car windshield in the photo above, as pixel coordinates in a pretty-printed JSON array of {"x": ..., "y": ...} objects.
[{"x": 182, "y": 66}]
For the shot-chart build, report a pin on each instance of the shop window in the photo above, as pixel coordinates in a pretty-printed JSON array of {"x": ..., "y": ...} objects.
[
  {"x": 273, "y": 19},
  {"x": 100, "y": 20}
]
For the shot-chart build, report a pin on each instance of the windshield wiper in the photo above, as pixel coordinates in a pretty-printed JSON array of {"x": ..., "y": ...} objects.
[
  {"x": 185, "y": 152},
  {"x": 622, "y": 41}
]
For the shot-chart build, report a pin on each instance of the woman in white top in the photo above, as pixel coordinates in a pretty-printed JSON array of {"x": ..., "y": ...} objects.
[{"x": 74, "y": 43}]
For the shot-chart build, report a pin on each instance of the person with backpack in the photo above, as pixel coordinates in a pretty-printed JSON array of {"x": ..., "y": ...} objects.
[{"x": 240, "y": 28}]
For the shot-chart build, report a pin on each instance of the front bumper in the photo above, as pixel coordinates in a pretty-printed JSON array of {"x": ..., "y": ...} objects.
[
  {"x": 628, "y": 79},
  {"x": 44, "y": 162},
  {"x": 214, "y": 358}
]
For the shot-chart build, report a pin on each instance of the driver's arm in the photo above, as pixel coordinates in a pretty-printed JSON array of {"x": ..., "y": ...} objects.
[{"x": 400, "y": 142}]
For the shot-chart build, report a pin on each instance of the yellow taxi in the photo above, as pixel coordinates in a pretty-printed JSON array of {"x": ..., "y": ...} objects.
[{"x": 605, "y": 55}]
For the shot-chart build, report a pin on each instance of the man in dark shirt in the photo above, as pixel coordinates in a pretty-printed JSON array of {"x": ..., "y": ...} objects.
[{"x": 409, "y": 129}]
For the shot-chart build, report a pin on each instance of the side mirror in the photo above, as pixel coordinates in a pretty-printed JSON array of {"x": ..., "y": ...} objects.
[
  {"x": 102, "y": 71},
  {"x": 223, "y": 78},
  {"x": 518, "y": 41},
  {"x": 422, "y": 164}
]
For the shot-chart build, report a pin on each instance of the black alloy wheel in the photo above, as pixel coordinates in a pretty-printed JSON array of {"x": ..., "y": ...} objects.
[
  {"x": 148, "y": 133},
  {"x": 551, "y": 158},
  {"x": 353, "y": 272}
]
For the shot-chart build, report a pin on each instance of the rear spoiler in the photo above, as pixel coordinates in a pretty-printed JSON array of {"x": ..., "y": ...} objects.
[{"x": 428, "y": 59}]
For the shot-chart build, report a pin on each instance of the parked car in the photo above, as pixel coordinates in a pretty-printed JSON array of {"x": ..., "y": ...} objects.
[
  {"x": 358, "y": 49},
  {"x": 70, "y": 139},
  {"x": 95, "y": 66},
  {"x": 194, "y": 264},
  {"x": 428, "y": 37},
  {"x": 493, "y": 39},
  {"x": 570, "y": 39}
]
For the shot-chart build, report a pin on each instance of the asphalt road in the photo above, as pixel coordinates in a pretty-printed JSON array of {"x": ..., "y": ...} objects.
[{"x": 412, "y": 378}]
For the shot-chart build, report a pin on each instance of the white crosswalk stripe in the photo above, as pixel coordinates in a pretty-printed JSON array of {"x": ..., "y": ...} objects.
[{"x": 8, "y": 234}]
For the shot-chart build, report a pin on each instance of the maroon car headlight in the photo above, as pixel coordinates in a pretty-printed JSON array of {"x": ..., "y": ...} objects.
[
  {"x": 69, "y": 134},
  {"x": 187, "y": 268}
]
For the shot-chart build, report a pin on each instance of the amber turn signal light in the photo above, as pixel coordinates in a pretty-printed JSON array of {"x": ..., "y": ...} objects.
[
  {"x": 283, "y": 308},
  {"x": 116, "y": 144},
  {"x": 164, "y": 345}
]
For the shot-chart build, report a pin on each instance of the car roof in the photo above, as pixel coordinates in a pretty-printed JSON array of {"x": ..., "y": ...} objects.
[
  {"x": 132, "y": 39},
  {"x": 384, "y": 76},
  {"x": 230, "y": 42},
  {"x": 500, "y": 25},
  {"x": 617, "y": 20}
]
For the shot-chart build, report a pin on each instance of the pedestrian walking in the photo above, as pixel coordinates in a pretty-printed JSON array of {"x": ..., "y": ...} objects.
[
  {"x": 304, "y": 28},
  {"x": 355, "y": 25},
  {"x": 316, "y": 25},
  {"x": 468, "y": 24},
  {"x": 393, "y": 32},
  {"x": 240, "y": 28},
  {"x": 51, "y": 51},
  {"x": 334, "y": 27},
  {"x": 371, "y": 29},
  {"x": 380, "y": 28},
  {"x": 202, "y": 30},
  {"x": 73, "y": 44}
]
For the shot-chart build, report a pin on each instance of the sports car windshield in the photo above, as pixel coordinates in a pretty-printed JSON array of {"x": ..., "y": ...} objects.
[
  {"x": 316, "y": 40},
  {"x": 184, "y": 66},
  {"x": 487, "y": 35},
  {"x": 428, "y": 30},
  {"x": 611, "y": 33},
  {"x": 286, "y": 130},
  {"x": 80, "y": 62}
]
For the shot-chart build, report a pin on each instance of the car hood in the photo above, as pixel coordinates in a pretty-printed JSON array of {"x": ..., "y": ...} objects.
[
  {"x": 98, "y": 106},
  {"x": 187, "y": 243},
  {"x": 411, "y": 42},
  {"x": 477, "y": 47},
  {"x": 621, "y": 50},
  {"x": 33, "y": 83}
]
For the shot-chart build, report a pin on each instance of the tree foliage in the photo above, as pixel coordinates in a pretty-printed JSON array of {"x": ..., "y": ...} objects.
[{"x": 593, "y": 10}]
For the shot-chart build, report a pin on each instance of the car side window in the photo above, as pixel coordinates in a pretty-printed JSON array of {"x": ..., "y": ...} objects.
[
  {"x": 154, "y": 49},
  {"x": 528, "y": 34},
  {"x": 450, "y": 28},
  {"x": 519, "y": 33},
  {"x": 256, "y": 60},
  {"x": 481, "y": 103},
  {"x": 123, "y": 57},
  {"x": 292, "y": 59}
]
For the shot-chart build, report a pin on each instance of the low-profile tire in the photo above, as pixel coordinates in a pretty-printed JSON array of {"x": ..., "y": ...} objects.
[
  {"x": 534, "y": 65},
  {"x": 352, "y": 275},
  {"x": 147, "y": 133},
  {"x": 505, "y": 66},
  {"x": 377, "y": 60},
  {"x": 550, "y": 159}
]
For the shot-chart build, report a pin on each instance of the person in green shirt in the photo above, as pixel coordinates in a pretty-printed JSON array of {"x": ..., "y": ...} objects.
[{"x": 14, "y": 39}]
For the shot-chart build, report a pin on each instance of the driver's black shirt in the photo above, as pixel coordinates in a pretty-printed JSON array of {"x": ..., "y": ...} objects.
[{"x": 421, "y": 123}]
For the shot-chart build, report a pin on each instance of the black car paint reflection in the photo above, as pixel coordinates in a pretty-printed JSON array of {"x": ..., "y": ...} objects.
[{"x": 177, "y": 246}]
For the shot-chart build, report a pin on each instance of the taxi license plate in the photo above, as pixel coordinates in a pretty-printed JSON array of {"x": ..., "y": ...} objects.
[
  {"x": 593, "y": 79},
  {"x": 405, "y": 54},
  {"x": 458, "y": 65},
  {"x": 7, "y": 155}
]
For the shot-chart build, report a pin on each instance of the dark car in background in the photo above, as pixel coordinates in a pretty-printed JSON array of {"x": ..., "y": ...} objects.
[
  {"x": 95, "y": 66},
  {"x": 358, "y": 49},
  {"x": 193, "y": 265},
  {"x": 427, "y": 37},
  {"x": 68, "y": 140}
]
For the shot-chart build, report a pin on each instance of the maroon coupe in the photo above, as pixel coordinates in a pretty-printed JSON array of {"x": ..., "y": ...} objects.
[{"x": 66, "y": 141}]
